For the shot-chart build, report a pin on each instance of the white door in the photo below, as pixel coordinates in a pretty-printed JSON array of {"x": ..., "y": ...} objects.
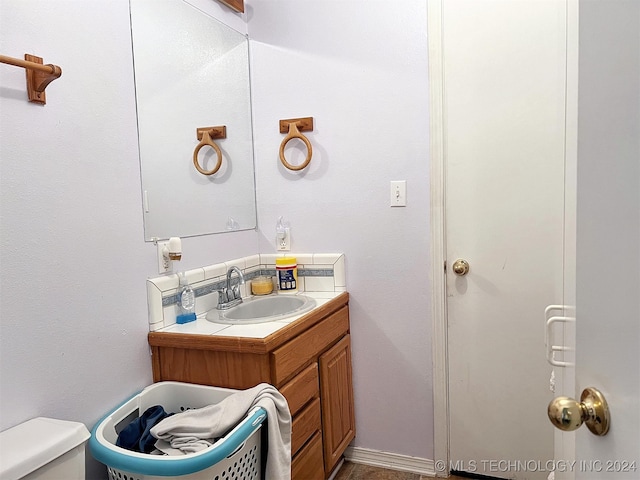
[
  {"x": 504, "y": 65},
  {"x": 606, "y": 240}
]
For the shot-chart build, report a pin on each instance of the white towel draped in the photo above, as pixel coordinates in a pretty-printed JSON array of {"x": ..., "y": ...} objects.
[{"x": 194, "y": 430}]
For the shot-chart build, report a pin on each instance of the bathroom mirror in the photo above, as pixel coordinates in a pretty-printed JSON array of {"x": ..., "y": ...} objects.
[{"x": 191, "y": 71}]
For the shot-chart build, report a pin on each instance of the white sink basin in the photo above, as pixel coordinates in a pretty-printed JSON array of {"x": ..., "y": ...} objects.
[{"x": 263, "y": 309}]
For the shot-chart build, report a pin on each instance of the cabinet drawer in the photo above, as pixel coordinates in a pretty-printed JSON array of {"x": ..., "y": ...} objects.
[
  {"x": 302, "y": 388},
  {"x": 304, "y": 425},
  {"x": 293, "y": 355},
  {"x": 308, "y": 463}
]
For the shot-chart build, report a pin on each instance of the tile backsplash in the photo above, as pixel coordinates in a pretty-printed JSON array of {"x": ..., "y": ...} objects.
[{"x": 318, "y": 272}]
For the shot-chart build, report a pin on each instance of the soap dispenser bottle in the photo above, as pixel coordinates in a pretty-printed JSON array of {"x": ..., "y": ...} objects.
[{"x": 186, "y": 301}]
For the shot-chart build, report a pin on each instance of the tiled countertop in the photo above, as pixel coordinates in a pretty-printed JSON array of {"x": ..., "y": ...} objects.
[{"x": 202, "y": 326}]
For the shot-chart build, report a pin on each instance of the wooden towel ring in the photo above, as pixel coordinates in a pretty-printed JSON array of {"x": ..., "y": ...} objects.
[
  {"x": 295, "y": 133},
  {"x": 207, "y": 140}
]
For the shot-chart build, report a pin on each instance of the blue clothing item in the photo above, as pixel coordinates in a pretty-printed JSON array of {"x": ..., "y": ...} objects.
[{"x": 137, "y": 435}]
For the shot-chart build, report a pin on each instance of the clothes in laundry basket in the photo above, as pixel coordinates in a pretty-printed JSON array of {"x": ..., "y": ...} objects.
[
  {"x": 184, "y": 432},
  {"x": 137, "y": 435}
]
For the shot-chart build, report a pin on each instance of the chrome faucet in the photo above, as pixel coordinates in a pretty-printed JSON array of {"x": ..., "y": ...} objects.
[{"x": 230, "y": 296}]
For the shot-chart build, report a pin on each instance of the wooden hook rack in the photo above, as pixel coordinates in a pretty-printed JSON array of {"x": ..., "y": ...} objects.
[{"x": 39, "y": 76}]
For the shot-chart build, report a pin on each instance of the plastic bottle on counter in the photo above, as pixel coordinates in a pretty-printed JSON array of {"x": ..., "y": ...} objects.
[
  {"x": 186, "y": 301},
  {"x": 287, "y": 271}
]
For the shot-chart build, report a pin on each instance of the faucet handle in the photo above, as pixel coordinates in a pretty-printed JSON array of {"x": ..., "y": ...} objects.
[
  {"x": 236, "y": 291},
  {"x": 223, "y": 295}
]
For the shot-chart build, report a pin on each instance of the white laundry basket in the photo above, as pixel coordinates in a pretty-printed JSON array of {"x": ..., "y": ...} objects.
[{"x": 236, "y": 456}]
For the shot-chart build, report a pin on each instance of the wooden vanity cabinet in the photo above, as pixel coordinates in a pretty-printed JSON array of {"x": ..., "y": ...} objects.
[{"x": 309, "y": 361}]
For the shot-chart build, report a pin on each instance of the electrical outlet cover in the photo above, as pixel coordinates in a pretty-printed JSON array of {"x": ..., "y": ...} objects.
[{"x": 283, "y": 244}]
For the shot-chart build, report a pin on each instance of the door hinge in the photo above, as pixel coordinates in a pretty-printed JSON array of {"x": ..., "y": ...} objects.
[{"x": 445, "y": 266}]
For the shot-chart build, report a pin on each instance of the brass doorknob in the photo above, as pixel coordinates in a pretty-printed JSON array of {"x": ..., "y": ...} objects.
[
  {"x": 460, "y": 267},
  {"x": 568, "y": 414}
]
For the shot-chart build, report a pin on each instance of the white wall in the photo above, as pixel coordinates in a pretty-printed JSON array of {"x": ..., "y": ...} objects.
[
  {"x": 360, "y": 69},
  {"x": 608, "y": 225},
  {"x": 73, "y": 312}
]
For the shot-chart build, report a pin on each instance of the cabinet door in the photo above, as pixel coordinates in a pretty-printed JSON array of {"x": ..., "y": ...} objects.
[{"x": 338, "y": 421}]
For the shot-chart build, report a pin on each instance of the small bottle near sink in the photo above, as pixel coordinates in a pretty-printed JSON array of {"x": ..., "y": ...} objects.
[
  {"x": 186, "y": 301},
  {"x": 287, "y": 274}
]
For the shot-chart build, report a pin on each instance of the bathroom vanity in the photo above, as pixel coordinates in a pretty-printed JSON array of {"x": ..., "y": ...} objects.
[{"x": 308, "y": 360}]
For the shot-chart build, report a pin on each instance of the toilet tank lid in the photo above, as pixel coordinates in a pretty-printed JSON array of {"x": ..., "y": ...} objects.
[{"x": 36, "y": 442}]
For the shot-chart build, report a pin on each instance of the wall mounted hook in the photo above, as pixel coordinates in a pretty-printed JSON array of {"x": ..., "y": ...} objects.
[{"x": 292, "y": 127}]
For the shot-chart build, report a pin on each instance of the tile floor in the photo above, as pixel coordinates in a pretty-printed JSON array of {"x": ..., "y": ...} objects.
[{"x": 356, "y": 471}]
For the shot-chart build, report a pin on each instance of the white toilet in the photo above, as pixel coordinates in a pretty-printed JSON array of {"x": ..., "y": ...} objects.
[{"x": 43, "y": 448}]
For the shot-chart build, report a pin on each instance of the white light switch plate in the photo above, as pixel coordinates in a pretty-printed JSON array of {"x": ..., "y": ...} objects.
[{"x": 398, "y": 193}]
